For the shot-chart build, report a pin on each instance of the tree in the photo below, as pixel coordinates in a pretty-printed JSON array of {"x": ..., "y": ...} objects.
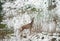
[{"x": 4, "y": 30}]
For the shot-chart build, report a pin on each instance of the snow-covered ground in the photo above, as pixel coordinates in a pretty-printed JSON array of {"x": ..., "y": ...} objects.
[{"x": 14, "y": 17}]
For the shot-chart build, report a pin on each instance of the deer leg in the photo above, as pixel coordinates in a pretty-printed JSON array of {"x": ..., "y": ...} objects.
[
  {"x": 30, "y": 31},
  {"x": 21, "y": 35}
]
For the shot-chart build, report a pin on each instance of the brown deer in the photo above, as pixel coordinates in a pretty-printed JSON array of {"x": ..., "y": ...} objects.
[{"x": 27, "y": 26}]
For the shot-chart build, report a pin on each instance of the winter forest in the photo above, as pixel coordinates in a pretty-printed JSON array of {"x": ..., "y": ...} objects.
[{"x": 29, "y": 20}]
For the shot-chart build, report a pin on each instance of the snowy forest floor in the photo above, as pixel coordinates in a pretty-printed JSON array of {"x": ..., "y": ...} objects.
[{"x": 35, "y": 37}]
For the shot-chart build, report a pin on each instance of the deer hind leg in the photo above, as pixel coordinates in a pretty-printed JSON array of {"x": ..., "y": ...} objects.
[
  {"x": 21, "y": 35},
  {"x": 30, "y": 31}
]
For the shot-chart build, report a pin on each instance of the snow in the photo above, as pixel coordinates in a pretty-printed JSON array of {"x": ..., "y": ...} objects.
[{"x": 18, "y": 19}]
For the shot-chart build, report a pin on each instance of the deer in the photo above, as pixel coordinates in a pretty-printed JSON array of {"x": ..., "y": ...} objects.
[{"x": 27, "y": 26}]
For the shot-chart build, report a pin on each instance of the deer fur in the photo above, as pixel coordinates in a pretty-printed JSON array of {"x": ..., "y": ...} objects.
[{"x": 27, "y": 26}]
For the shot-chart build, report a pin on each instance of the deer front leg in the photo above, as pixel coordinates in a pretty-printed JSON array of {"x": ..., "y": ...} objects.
[{"x": 30, "y": 31}]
